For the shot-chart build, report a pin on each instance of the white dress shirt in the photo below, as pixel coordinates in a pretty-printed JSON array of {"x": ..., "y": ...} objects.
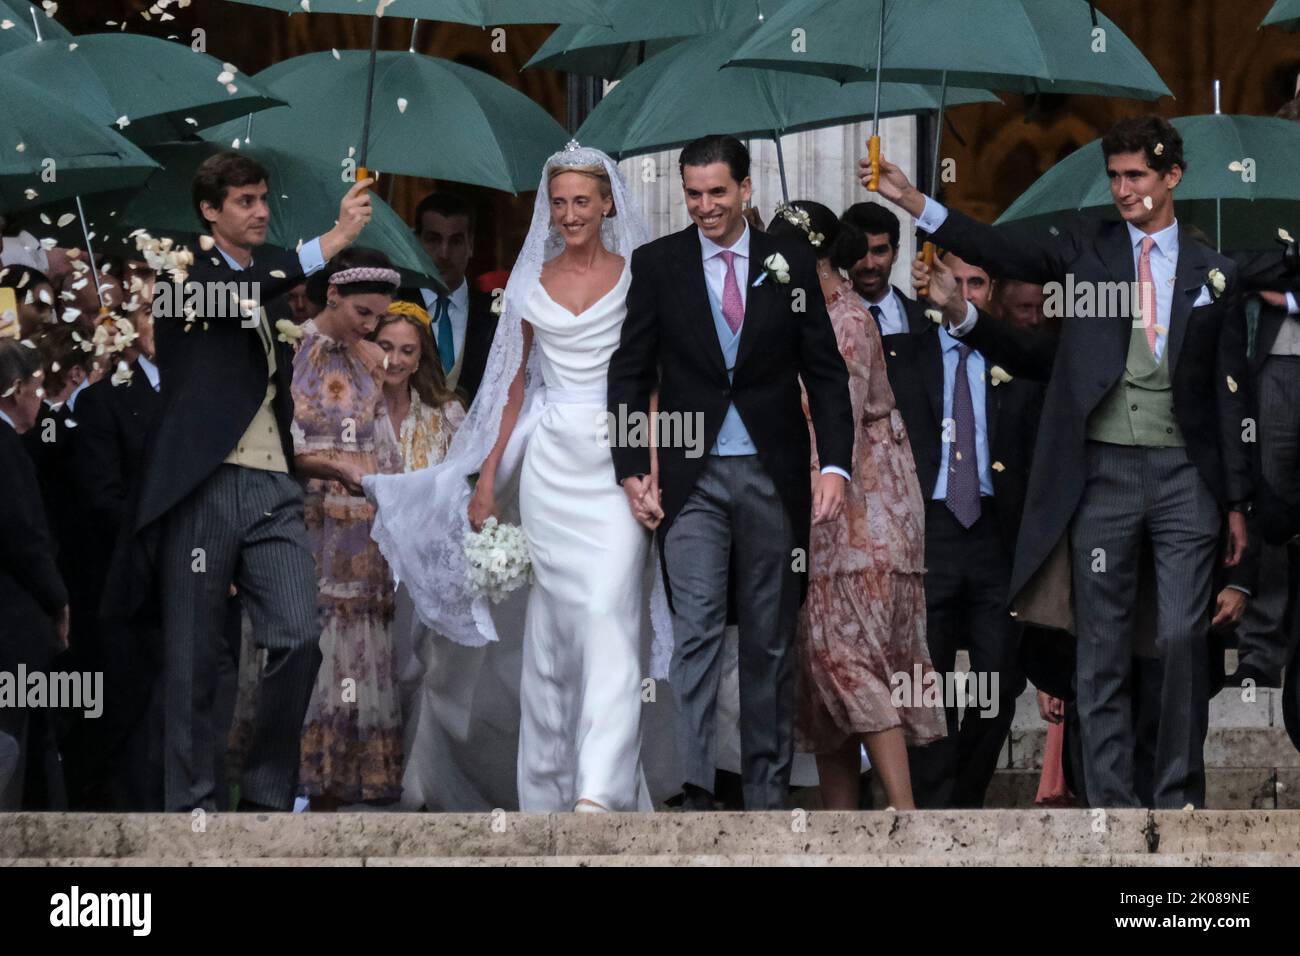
[
  {"x": 457, "y": 311},
  {"x": 715, "y": 268},
  {"x": 150, "y": 371},
  {"x": 5, "y": 418},
  {"x": 71, "y": 401}
]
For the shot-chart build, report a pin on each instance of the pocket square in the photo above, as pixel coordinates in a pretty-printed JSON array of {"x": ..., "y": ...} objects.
[{"x": 1203, "y": 297}]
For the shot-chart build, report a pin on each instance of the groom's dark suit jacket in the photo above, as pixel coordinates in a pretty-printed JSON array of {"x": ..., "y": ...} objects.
[
  {"x": 669, "y": 341},
  {"x": 1083, "y": 362},
  {"x": 213, "y": 379}
]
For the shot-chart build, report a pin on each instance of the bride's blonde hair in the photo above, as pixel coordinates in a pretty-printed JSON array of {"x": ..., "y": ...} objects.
[{"x": 596, "y": 172}]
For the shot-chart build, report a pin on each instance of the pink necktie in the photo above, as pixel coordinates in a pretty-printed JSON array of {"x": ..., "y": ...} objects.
[
  {"x": 733, "y": 309},
  {"x": 1147, "y": 293}
]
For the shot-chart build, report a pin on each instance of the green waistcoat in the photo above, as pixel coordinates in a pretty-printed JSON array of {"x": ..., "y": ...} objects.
[{"x": 1139, "y": 410}]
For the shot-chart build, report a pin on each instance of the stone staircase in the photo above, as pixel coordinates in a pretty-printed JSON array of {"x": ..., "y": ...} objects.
[
  {"x": 877, "y": 838},
  {"x": 1251, "y": 763}
]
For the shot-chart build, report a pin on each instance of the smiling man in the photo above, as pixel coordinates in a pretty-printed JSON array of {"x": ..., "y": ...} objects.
[
  {"x": 1141, "y": 439},
  {"x": 724, "y": 321},
  {"x": 217, "y": 503}
]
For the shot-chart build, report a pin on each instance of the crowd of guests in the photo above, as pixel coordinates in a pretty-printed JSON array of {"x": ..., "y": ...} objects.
[{"x": 369, "y": 373}]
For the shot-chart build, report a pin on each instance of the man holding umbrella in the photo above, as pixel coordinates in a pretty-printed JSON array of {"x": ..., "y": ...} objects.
[
  {"x": 1141, "y": 438},
  {"x": 217, "y": 504}
]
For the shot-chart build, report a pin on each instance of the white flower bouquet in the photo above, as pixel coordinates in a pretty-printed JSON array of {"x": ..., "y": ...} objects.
[{"x": 496, "y": 560}]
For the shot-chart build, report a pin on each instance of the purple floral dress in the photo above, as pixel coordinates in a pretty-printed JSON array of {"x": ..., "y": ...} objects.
[{"x": 352, "y": 736}]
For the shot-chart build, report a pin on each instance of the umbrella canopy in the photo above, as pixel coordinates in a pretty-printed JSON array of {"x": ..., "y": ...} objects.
[
  {"x": 17, "y": 28},
  {"x": 639, "y": 30},
  {"x": 1021, "y": 46},
  {"x": 683, "y": 93},
  {"x": 303, "y": 197},
  {"x": 1246, "y": 163},
  {"x": 1285, "y": 13},
  {"x": 431, "y": 118},
  {"x": 50, "y": 151},
  {"x": 168, "y": 92},
  {"x": 611, "y": 61},
  {"x": 479, "y": 13}
]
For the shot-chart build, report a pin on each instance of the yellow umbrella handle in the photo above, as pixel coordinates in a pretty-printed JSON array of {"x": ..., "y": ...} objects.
[
  {"x": 363, "y": 173},
  {"x": 873, "y": 154},
  {"x": 927, "y": 256}
]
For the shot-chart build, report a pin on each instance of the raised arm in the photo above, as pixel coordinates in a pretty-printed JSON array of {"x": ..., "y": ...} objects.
[
  {"x": 1027, "y": 353},
  {"x": 1005, "y": 252}
]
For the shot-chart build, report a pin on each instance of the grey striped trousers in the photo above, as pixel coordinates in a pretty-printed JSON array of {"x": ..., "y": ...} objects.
[
  {"x": 243, "y": 526},
  {"x": 1132, "y": 493}
]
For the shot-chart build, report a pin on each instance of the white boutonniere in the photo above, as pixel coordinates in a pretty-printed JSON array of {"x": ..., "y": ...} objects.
[
  {"x": 1217, "y": 282},
  {"x": 934, "y": 315},
  {"x": 288, "y": 332},
  {"x": 998, "y": 375},
  {"x": 776, "y": 267}
]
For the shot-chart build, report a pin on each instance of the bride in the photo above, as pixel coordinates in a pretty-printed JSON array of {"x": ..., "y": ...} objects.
[{"x": 580, "y": 686}]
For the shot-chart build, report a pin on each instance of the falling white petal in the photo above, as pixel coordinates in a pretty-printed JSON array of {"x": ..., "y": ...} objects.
[
  {"x": 29, "y": 193},
  {"x": 123, "y": 122},
  {"x": 22, "y": 148},
  {"x": 66, "y": 218},
  {"x": 225, "y": 76},
  {"x": 45, "y": 219},
  {"x": 1146, "y": 201},
  {"x": 401, "y": 104},
  {"x": 192, "y": 121}
]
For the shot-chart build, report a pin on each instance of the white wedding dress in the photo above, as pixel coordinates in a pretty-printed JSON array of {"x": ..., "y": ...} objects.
[{"x": 580, "y": 689}]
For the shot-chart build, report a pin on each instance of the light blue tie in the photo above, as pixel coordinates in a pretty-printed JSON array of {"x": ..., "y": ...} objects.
[{"x": 446, "y": 345}]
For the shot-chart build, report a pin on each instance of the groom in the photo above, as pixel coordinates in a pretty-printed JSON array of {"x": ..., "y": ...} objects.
[{"x": 723, "y": 321}]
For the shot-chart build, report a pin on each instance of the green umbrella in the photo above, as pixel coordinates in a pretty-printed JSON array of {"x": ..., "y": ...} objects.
[
  {"x": 1243, "y": 165},
  {"x": 22, "y": 23},
  {"x": 480, "y": 13},
  {"x": 477, "y": 13},
  {"x": 1019, "y": 46},
  {"x": 432, "y": 118},
  {"x": 48, "y": 150},
  {"x": 639, "y": 30},
  {"x": 1023, "y": 46},
  {"x": 303, "y": 197},
  {"x": 611, "y": 61},
  {"x": 683, "y": 93},
  {"x": 1285, "y": 13},
  {"x": 168, "y": 92}
]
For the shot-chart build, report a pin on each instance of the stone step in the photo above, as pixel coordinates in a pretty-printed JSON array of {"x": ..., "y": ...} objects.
[
  {"x": 1225, "y": 747},
  {"x": 1029, "y": 837},
  {"x": 1226, "y": 788}
]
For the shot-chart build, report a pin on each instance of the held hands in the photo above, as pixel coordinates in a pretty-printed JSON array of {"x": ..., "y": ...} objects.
[
  {"x": 828, "y": 497},
  {"x": 645, "y": 499},
  {"x": 349, "y": 475}
]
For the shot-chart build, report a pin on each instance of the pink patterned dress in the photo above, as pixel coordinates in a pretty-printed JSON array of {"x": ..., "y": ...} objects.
[
  {"x": 352, "y": 736},
  {"x": 864, "y": 618}
]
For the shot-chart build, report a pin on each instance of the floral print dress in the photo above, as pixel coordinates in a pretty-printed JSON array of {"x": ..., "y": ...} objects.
[
  {"x": 864, "y": 618},
  {"x": 352, "y": 736}
]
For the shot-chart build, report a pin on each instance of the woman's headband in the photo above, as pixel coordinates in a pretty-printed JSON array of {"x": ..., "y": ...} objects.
[{"x": 366, "y": 274}]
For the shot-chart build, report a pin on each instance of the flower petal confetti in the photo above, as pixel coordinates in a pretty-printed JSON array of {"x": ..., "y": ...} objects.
[
  {"x": 123, "y": 122},
  {"x": 1284, "y": 235},
  {"x": 401, "y": 104},
  {"x": 66, "y": 218},
  {"x": 1232, "y": 384}
]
